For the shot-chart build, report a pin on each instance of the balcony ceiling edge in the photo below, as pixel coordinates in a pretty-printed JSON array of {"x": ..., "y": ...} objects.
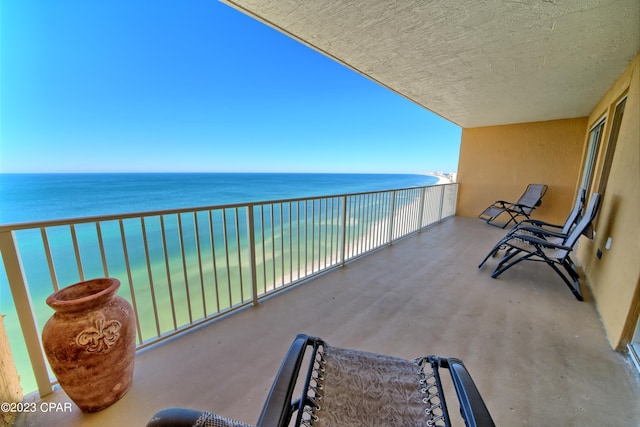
[{"x": 474, "y": 64}]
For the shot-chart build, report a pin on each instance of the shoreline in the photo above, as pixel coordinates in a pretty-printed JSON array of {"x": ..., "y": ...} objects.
[{"x": 442, "y": 178}]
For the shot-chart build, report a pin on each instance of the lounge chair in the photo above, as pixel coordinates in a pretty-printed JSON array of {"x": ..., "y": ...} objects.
[
  {"x": 529, "y": 247},
  {"x": 531, "y": 199},
  {"x": 348, "y": 387},
  {"x": 551, "y": 232},
  {"x": 532, "y": 225}
]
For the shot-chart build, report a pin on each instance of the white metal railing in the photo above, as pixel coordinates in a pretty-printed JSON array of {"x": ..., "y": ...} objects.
[{"x": 180, "y": 268}]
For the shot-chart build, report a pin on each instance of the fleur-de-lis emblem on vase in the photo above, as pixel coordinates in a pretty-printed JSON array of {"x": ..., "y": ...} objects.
[{"x": 99, "y": 337}]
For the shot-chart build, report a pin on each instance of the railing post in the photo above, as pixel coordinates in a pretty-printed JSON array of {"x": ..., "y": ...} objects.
[
  {"x": 344, "y": 231},
  {"x": 252, "y": 254},
  {"x": 421, "y": 210},
  {"x": 392, "y": 217},
  {"x": 24, "y": 310},
  {"x": 441, "y": 203},
  {"x": 455, "y": 198}
]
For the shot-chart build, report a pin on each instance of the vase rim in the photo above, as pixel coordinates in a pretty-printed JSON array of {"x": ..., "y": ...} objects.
[{"x": 108, "y": 286}]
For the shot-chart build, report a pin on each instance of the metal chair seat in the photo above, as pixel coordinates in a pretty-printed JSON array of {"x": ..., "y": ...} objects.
[{"x": 344, "y": 387}]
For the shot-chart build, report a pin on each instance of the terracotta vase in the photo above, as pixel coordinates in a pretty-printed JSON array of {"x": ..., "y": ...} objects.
[{"x": 90, "y": 342}]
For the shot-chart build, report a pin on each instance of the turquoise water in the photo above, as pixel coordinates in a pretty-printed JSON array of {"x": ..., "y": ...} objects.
[{"x": 33, "y": 197}]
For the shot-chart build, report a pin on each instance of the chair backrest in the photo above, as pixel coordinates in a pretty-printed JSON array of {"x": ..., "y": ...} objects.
[
  {"x": 532, "y": 196},
  {"x": 585, "y": 220},
  {"x": 575, "y": 212}
]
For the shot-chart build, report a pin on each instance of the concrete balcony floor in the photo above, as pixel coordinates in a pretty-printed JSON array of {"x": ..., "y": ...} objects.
[{"x": 538, "y": 356}]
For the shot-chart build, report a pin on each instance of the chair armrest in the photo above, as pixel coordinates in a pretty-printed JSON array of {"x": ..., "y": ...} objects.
[
  {"x": 521, "y": 208},
  {"x": 538, "y": 223},
  {"x": 277, "y": 410},
  {"x": 539, "y": 242},
  {"x": 504, "y": 203},
  {"x": 180, "y": 417},
  {"x": 175, "y": 417},
  {"x": 539, "y": 231},
  {"x": 472, "y": 406}
]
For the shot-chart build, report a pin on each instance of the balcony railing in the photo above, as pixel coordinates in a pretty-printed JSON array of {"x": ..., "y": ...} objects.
[{"x": 180, "y": 268}]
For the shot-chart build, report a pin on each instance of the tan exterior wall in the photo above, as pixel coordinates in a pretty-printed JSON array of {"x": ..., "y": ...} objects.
[
  {"x": 498, "y": 162},
  {"x": 615, "y": 278}
]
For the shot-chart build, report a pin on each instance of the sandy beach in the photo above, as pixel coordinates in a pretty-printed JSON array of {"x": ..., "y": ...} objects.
[{"x": 442, "y": 178}]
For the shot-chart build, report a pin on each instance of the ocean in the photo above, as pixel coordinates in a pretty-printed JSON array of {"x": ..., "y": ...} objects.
[
  {"x": 38, "y": 197},
  {"x": 41, "y": 197}
]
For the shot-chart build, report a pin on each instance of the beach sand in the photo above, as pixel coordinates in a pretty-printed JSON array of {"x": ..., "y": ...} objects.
[{"x": 442, "y": 178}]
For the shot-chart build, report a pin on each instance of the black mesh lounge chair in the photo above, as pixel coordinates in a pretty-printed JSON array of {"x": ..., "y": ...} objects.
[
  {"x": 531, "y": 199},
  {"x": 533, "y": 225},
  {"x": 551, "y": 232},
  {"x": 528, "y": 247},
  {"x": 344, "y": 387}
]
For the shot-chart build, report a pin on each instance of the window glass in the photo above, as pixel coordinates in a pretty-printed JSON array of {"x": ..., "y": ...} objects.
[
  {"x": 594, "y": 143},
  {"x": 611, "y": 146}
]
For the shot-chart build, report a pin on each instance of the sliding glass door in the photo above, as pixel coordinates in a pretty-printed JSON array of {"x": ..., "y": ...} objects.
[{"x": 634, "y": 347}]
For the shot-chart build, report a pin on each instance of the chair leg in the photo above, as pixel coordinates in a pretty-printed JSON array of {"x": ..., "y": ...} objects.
[
  {"x": 491, "y": 253},
  {"x": 490, "y": 221},
  {"x": 508, "y": 255},
  {"x": 512, "y": 218},
  {"x": 571, "y": 267},
  {"x": 499, "y": 270},
  {"x": 573, "y": 285},
  {"x": 515, "y": 215}
]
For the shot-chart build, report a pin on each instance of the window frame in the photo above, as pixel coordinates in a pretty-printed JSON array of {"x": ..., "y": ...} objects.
[{"x": 595, "y": 137}]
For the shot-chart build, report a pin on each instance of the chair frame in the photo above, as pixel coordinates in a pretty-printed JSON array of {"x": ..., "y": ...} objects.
[
  {"x": 555, "y": 232},
  {"x": 515, "y": 210},
  {"x": 280, "y": 407},
  {"x": 533, "y": 247},
  {"x": 570, "y": 222}
]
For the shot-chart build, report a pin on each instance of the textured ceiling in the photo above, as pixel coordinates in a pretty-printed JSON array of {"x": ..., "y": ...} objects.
[{"x": 475, "y": 63}]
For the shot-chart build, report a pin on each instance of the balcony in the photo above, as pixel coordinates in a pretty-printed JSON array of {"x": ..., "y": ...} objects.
[{"x": 538, "y": 356}]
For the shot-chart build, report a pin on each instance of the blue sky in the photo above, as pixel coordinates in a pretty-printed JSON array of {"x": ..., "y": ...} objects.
[{"x": 110, "y": 86}]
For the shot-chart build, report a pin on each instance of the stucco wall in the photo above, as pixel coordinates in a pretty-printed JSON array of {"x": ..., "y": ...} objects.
[
  {"x": 498, "y": 162},
  {"x": 615, "y": 278}
]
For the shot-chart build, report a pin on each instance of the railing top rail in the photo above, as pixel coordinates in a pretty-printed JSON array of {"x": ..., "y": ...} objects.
[
  {"x": 184, "y": 298},
  {"x": 114, "y": 217}
]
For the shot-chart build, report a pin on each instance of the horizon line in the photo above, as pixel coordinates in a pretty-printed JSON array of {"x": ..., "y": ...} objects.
[{"x": 428, "y": 173}]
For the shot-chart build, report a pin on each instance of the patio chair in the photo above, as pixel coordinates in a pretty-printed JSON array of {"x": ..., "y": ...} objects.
[
  {"x": 530, "y": 199},
  {"x": 551, "y": 232},
  {"x": 532, "y": 225},
  {"x": 343, "y": 387},
  {"x": 527, "y": 247}
]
